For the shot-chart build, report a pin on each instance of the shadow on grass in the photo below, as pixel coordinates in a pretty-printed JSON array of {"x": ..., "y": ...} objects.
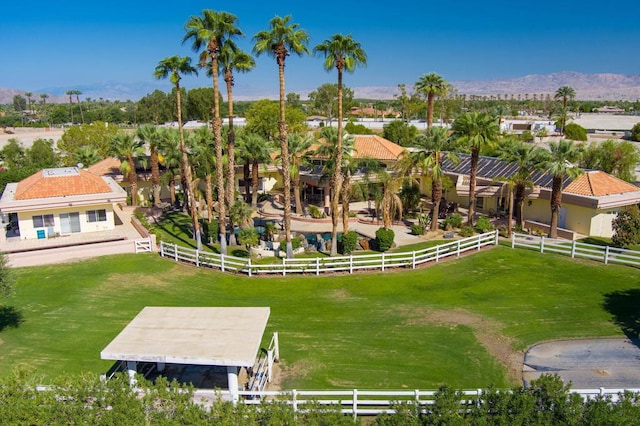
[
  {"x": 10, "y": 317},
  {"x": 623, "y": 306},
  {"x": 178, "y": 226}
]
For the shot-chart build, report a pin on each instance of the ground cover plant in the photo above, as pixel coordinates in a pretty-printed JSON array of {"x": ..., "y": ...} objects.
[{"x": 462, "y": 322}]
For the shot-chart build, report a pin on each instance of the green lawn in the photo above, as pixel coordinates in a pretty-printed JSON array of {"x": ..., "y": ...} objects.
[{"x": 365, "y": 331}]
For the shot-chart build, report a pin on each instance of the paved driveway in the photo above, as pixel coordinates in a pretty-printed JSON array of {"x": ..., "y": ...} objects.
[{"x": 587, "y": 363}]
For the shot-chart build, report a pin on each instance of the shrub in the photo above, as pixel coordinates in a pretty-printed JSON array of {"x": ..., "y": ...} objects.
[
  {"x": 635, "y": 132},
  {"x": 467, "y": 231},
  {"x": 263, "y": 196},
  {"x": 417, "y": 229},
  {"x": 454, "y": 220},
  {"x": 626, "y": 227},
  {"x": 315, "y": 212},
  {"x": 249, "y": 237},
  {"x": 384, "y": 238},
  {"x": 575, "y": 132},
  {"x": 348, "y": 242},
  {"x": 295, "y": 244},
  {"x": 210, "y": 230},
  {"x": 484, "y": 224}
]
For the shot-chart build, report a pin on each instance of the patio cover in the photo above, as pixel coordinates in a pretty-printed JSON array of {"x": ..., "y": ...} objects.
[{"x": 200, "y": 336}]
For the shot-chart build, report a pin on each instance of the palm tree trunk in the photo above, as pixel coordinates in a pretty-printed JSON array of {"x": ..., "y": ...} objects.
[
  {"x": 217, "y": 136},
  {"x": 295, "y": 182},
  {"x": 172, "y": 190},
  {"x": 186, "y": 170},
  {"x": 337, "y": 172},
  {"x": 231, "y": 140},
  {"x": 284, "y": 154},
  {"x": 430, "y": 97},
  {"x": 247, "y": 184},
  {"x": 133, "y": 180},
  {"x": 472, "y": 185},
  {"x": 436, "y": 196},
  {"x": 254, "y": 184},
  {"x": 155, "y": 176},
  {"x": 346, "y": 194},
  {"x": 80, "y": 105},
  {"x": 209, "y": 195},
  {"x": 556, "y": 203},
  {"x": 519, "y": 201},
  {"x": 510, "y": 216}
]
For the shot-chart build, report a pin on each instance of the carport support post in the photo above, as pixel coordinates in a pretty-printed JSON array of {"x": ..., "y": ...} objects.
[
  {"x": 232, "y": 381},
  {"x": 160, "y": 366},
  {"x": 131, "y": 371}
]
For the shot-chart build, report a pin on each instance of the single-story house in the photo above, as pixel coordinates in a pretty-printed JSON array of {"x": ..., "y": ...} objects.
[
  {"x": 589, "y": 202},
  {"x": 60, "y": 201}
]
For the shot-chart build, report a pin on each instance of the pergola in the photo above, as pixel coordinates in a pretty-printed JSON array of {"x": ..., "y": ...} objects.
[{"x": 228, "y": 337}]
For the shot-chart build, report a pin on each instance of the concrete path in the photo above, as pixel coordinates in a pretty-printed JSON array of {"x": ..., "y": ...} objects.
[{"x": 587, "y": 363}]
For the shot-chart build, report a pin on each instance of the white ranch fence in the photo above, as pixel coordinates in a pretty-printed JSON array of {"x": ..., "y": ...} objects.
[
  {"x": 575, "y": 249},
  {"x": 357, "y": 402},
  {"x": 318, "y": 265}
]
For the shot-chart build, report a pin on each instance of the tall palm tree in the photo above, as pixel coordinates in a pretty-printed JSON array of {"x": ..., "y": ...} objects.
[
  {"x": 342, "y": 53},
  {"x": 208, "y": 33},
  {"x": 173, "y": 67},
  {"x": 78, "y": 93},
  {"x": 299, "y": 155},
  {"x": 390, "y": 204},
  {"x": 150, "y": 135},
  {"x": 474, "y": 131},
  {"x": 560, "y": 163},
  {"x": 282, "y": 39},
  {"x": 169, "y": 149},
  {"x": 128, "y": 149},
  {"x": 431, "y": 85},
  {"x": 232, "y": 59},
  {"x": 565, "y": 93},
  {"x": 44, "y": 97},
  {"x": 257, "y": 150},
  {"x": 28, "y": 95},
  {"x": 528, "y": 159},
  {"x": 70, "y": 93},
  {"x": 427, "y": 155}
]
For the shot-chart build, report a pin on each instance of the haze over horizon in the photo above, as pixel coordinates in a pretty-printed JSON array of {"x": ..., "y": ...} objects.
[{"x": 79, "y": 44}]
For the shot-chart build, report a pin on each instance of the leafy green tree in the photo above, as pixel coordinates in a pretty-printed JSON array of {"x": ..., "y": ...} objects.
[
  {"x": 42, "y": 155},
  {"x": 13, "y": 154},
  {"x": 560, "y": 163},
  {"x": 98, "y": 135},
  {"x": 635, "y": 132},
  {"x": 474, "y": 131},
  {"x": 400, "y": 132},
  {"x": 208, "y": 33},
  {"x": 324, "y": 100},
  {"x": 575, "y": 132},
  {"x": 282, "y": 39},
  {"x": 618, "y": 158},
  {"x": 199, "y": 104},
  {"x": 262, "y": 119},
  {"x": 156, "y": 108},
  {"x": 431, "y": 85},
  {"x": 151, "y": 136},
  {"x": 293, "y": 100},
  {"x": 173, "y": 67},
  {"x": 357, "y": 129},
  {"x": 626, "y": 227}
]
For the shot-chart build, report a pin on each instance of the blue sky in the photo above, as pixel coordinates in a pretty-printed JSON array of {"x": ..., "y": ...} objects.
[{"x": 68, "y": 43}]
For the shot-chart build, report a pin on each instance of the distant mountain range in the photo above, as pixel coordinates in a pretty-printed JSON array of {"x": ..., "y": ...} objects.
[{"x": 604, "y": 86}]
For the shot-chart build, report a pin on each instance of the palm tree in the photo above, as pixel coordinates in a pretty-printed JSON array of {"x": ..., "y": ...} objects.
[
  {"x": 527, "y": 158},
  {"x": 343, "y": 53},
  {"x": 280, "y": 41},
  {"x": 44, "y": 97},
  {"x": 299, "y": 153},
  {"x": 150, "y": 135},
  {"x": 201, "y": 141},
  {"x": 474, "y": 131},
  {"x": 565, "y": 93},
  {"x": 431, "y": 85},
  {"x": 169, "y": 149},
  {"x": 78, "y": 93},
  {"x": 173, "y": 67},
  {"x": 559, "y": 162},
  {"x": 429, "y": 151},
  {"x": 209, "y": 32},
  {"x": 28, "y": 95},
  {"x": 390, "y": 204},
  {"x": 231, "y": 58},
  {"x": 257, "y": 150},
  {"x": 128, "y": 149},
  {"x": 70, "y": 93},
  {"x": 87, "y": 155}
]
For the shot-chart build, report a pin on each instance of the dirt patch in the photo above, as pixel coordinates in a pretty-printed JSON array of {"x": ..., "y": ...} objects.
[
  {"x": 281, "y": 372},
  {"x": 487, "y": 331},
  {"x": 118, "y": 280}
]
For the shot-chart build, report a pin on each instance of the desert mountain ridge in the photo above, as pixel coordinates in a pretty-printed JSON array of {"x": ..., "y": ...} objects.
[{"x": 602, "y": 86}]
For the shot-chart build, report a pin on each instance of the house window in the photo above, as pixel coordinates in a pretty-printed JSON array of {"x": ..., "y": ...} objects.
[
  {"x": 480, "y": 203},
  {"x": 42, "y": 221},
  {"x": 96, "y": 215}
]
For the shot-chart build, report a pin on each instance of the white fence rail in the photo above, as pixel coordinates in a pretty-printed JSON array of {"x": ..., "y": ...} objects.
[
  {"x": 318, "y": 265},
  {"x": 143, "y": 245},
  {"x": 371, "y": 402},
  {"x": 575, "y": 249}
]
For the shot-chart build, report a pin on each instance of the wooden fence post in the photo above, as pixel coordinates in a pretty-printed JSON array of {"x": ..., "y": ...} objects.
[
  {"x": 249, "y": 266},
  {"x": 175, "y": 252},
  {"x": 317, "y": 266},
  {"x": 573, "y": 249},
  {"x": 222, "y": 262},
  {"x": 284, "y": 267},
  {"x": 383, "y": 261},
  {"x": 437, "y": 254},
  {"x": 497, "y": 235},
  {"x": 606, "y": 255},
  {"x": 413, "y": 260},
  {"x": 197, "y": 259},
  {"x": 355, "y": 404},
  {"x": 351, "y": 264},
  {"x": 542, "y": 244},
  {"x": 513, "y": 240}
]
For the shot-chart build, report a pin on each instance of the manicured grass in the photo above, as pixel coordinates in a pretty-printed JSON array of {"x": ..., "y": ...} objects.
[{"x": 363, "y": 330}]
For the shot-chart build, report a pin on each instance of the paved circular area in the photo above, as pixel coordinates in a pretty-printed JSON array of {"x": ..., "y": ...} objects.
[{"x": 587, "y": 363}]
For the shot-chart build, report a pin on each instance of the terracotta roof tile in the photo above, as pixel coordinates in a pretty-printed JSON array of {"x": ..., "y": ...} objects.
[
  {"x": 61, "y": 182},
  {"x": 108, "y": 166},
  {"x": 596, "y": 183},
  {"x": 376, "y": 147}
]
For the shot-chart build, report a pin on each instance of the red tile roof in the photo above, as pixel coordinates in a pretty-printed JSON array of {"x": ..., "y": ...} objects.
[
  {"x": 376, "y": 147},
  {"x": 61, "y": 182},
  {"x": 596, "y": 183},
  {"x": 108, "y": 166}
]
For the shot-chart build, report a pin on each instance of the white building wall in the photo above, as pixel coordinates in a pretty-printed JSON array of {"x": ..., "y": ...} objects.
[{"x": 28, "y": 231}]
